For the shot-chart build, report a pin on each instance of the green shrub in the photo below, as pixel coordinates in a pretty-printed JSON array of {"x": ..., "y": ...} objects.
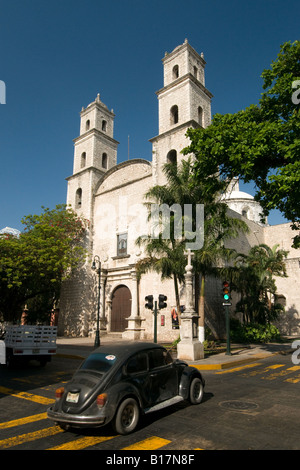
[{"x": 253, "y": 332}]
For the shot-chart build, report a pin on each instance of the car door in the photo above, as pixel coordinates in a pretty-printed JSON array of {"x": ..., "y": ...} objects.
[
  {"x": 137, "y": 374},
  {"x": 163, "y": 376}
]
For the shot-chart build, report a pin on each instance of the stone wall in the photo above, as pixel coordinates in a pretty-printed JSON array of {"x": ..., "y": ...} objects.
[{"x": 288, "y": 289}]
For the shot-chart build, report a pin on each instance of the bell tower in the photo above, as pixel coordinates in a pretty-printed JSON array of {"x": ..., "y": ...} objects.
[
  {"x": 95, "y": 152},
  {"x": 183, "y": 102}
]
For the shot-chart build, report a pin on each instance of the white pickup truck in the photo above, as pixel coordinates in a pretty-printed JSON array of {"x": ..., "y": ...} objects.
[{"x": 27, "y": 342}]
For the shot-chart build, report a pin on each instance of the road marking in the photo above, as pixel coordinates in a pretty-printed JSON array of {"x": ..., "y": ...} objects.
[
  {"x": 281, "y": 373},
  {"x": 294, "y": 380},
  {"x": 56, "y": 377},
  {"x": 82, "y": 443},
  {"x": 21, "y": 421},
  {"x": 266, "y": 369},
  {"x": 26, "y": 396},
  {"x": 273, "y": 376},
  {"x": 27, "y": 380},
  {"x": 32, "y": 436},
  {"x": 236, "y": 369},
  {"x": 148, "y": 444}
]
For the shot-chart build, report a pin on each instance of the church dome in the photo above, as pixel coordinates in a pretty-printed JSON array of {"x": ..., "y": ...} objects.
[
  {"x": 10, "y": 231},
  {"x": 243, "y": 203},
  {"x": 237, "y": 195}
]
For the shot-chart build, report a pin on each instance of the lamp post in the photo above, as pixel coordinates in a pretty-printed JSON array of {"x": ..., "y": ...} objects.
[{"x": 96, "y": 266}]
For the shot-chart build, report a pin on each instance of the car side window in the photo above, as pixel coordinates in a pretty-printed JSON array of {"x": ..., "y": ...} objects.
[
  {"x": 137, "y": 363},
  {"x": 168, "y": 358},
  {"x": 159, "y": 358}
]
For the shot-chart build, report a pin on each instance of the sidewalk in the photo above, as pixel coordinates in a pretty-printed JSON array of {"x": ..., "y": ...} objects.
[{"x": 80, "y": 348}]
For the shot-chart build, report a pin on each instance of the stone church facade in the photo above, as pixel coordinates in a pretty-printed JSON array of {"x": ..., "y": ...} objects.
[{"x": 111, "y": 197}]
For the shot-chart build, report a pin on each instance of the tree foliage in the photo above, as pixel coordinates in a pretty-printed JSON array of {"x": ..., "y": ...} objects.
[
  {"x": 34, "y": 264},
  {"x": 253, "y": 277},
  {"x": 261, "y": 143}
]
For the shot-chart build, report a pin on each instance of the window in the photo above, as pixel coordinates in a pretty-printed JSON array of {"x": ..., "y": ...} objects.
[
  {"x": 159, "y": 358},
  {"x": 78, "y": 198},
  {"x": 195, "y": 72},
  {"x": 280, "y": 299},
  {"x": 99, "y": 362},
  {"x": 175, "y": 72},
  {"x": 104, "y": 125},
  {"x": 200, "y": 116},
  {"x": 104, "y": 161},
  {"x": 87, "y": 125},
  {"x": 122, "y": 244},
  {"x": 172, "y": 156},
  {"x": 174, "y": 114},
  {"x": 137, "y": 363},
  {"x": 83, "y": 160}
]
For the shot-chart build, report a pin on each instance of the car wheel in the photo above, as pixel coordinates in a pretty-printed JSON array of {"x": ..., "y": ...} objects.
[
  {"x": 196, "y": 391},
  {"x": 127, "y": 416}
]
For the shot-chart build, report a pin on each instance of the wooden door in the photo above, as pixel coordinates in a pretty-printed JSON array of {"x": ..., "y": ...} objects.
[{"x": 120, "y": 308}]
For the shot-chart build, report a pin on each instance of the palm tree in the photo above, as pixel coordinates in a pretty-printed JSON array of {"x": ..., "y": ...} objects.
[
  {"x": 213, "y": 258},
  {"x": 167, "y": 255},
  {"x": 254, "y": 280}
]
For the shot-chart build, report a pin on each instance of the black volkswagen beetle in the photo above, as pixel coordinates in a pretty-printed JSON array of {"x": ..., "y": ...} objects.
[{"x": 119, "y": 383}]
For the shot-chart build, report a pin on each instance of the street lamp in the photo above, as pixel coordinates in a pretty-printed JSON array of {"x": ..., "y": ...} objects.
[{"x": 96, "y": 266}]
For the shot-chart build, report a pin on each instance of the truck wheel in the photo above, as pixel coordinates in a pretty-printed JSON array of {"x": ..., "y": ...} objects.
[
  {"x": 9, "y": 359},
  {"x": 196, "y": 391},
  {"x": 127, "y": 416},
  {"x": 43, "y": 360}
]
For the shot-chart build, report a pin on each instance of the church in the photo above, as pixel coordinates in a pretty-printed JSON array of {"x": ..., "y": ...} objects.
[{"x": 111, "y": 197}]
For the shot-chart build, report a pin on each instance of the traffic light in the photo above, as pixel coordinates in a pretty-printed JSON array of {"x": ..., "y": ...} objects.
[
  {"x": 162, "y": 301},
  {"x": 226, "y": 291},
  {"x": 149, "y": 302}
]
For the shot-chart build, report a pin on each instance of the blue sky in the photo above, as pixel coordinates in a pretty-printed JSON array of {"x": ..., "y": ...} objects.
[{"x": 56, "y": 55}]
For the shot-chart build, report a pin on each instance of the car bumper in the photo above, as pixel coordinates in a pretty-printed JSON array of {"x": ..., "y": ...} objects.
[{"x": 75, "y": 420}]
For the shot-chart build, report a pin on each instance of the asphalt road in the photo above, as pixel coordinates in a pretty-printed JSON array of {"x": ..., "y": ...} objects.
[{"x": 252, "y": 407}]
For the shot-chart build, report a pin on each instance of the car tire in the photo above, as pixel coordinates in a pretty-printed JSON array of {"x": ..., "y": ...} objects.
[
  {"x": 196, "y": 391},
  {"x": 127, "y": 416}
]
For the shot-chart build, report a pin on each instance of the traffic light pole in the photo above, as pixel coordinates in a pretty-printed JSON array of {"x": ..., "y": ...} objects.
[
  {"x": 226, "y": 304},
  {"x": 161, "y": 304},
  {"x": 155, "y": 321},
  {"x": 228, "y": 352}
]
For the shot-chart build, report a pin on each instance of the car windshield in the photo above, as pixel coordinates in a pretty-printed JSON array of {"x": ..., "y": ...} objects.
[{"x": 100, "y": 362}]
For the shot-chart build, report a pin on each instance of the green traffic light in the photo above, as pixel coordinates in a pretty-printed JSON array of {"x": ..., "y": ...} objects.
[{"x": 226, "y": 290}]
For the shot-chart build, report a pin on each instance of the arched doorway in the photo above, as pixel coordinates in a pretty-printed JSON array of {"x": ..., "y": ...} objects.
[{"x": 120, "y": 308}]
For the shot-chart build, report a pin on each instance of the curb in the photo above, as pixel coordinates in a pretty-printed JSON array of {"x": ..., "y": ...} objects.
[{"x": 228, "y": 365}]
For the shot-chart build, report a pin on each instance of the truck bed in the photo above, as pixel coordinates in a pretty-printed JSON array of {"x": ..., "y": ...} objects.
[{"x": 27, "y": 339}]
